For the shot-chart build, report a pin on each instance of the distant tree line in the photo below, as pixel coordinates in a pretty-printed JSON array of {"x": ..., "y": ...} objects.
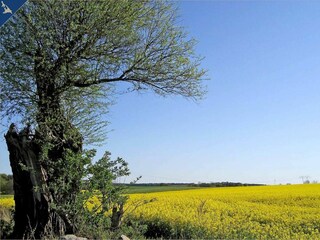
[
  {"x": 6, "y": 183},
  {"x": 225, "y": 184},
  {"x": 211, "y": 184}
]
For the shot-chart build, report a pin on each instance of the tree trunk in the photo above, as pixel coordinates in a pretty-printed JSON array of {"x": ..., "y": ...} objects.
[
  {"x": 34, "y": 217},
  {"x": 116, "y": 217},
  {"x": 33, "y": 176},
  {"x": 31, "y": 194}
]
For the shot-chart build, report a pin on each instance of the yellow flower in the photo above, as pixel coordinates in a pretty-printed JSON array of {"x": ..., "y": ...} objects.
[{"x": 7, "y": 202}]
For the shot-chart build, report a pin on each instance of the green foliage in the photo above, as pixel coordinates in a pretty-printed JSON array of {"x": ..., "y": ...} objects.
[
  {"x": 109, "y": 197},
  {"x": 83, "y": 182},
  {"x": 68, "y": 186},
  {"x": 82, "y": 48},
  {"x": 102, "y": 175},
  {"x": 6, "y": 222},
  {"x": 6, "y": 184}
]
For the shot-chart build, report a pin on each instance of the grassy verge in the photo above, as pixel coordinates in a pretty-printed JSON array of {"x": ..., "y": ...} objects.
[
  {"x": 151, "y": 189},
  {"x": 6, "y": 196}
]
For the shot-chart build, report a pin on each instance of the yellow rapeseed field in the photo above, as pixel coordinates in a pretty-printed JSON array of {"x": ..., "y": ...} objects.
[
  {"x": 7, "y": 202},
  {"x": 266, "y": 212}
]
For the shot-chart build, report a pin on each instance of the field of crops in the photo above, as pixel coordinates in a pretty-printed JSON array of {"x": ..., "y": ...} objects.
[
  {"x": 7, "y": 201},
  {"x": 268, "y": 212}
]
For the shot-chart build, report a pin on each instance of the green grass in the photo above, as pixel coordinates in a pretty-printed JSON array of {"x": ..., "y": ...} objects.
[
  {"x": 144, "y": 189},
  {"x": 150, "y": 189},
  {"x": 6, "y": 196}
]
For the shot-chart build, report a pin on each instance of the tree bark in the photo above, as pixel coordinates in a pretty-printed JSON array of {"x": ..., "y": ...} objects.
[
  {"x": 34, "y": 217},
  {"x": 31, "y": 194},
  {"x": 116, "y": 217}
]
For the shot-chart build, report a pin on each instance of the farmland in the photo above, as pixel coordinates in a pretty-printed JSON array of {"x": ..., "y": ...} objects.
[
  {"x": 266, "y": 212},
  {"x": 157, "y": 188}
]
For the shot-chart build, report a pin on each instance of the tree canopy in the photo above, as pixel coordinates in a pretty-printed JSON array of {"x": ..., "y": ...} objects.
[{"x": 81, "y": 48}]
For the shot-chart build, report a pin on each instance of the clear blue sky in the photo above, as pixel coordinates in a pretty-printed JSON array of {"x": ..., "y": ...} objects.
[{"x": 260, "y": 121}]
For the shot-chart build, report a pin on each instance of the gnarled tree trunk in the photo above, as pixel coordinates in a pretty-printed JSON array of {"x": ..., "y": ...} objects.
[
  {"x": 34, "y": 217},
  {"x": 31, "y": 195}
]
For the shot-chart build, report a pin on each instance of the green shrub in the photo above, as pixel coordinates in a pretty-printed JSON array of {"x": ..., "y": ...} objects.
[
  {"x": 6, "y": 222},
  {"x": 95, "y": 183}
]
